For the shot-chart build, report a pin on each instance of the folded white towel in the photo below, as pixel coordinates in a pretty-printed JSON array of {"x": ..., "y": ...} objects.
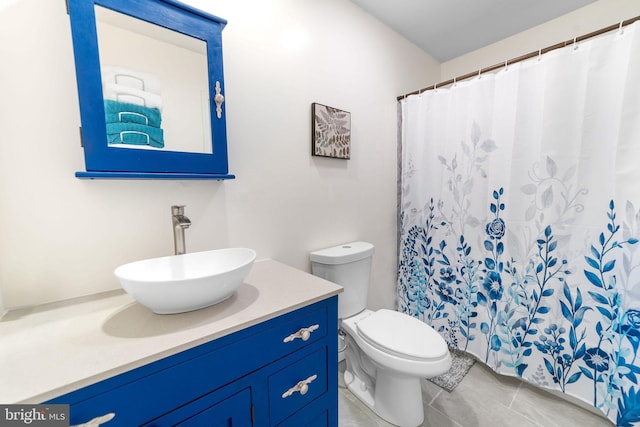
[
  {"x": 121, "y": 93},
  {"x": 131, "y": 78}
]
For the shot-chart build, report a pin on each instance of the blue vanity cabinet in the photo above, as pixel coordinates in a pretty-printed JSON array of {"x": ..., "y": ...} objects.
[{"x": 281, "y": 372}]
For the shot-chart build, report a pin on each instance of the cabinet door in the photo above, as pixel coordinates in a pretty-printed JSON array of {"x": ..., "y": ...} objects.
[
  {"x": 210, "y": 411},
  {"x": 234, "y": 411}
]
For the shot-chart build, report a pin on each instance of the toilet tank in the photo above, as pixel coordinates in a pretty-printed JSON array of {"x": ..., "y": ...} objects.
[{"x": 349, "y": 266}]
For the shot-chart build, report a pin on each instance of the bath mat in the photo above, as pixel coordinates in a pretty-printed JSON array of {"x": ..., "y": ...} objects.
[{"x": 461, "y": 362}]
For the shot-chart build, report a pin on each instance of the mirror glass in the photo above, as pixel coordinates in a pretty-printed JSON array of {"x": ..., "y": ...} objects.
[{"x": 155, "y": 85}]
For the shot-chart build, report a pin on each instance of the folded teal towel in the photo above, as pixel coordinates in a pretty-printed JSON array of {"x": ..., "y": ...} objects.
[
  {"x": 134, "y": 134},
  {"x": 116, "y": 112}
]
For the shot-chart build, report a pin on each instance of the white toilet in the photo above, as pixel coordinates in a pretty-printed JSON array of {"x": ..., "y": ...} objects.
[{"x": 387, "y": 352}]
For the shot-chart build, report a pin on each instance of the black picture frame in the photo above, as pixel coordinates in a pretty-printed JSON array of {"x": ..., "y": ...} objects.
[{"x": 330, "y": 132}]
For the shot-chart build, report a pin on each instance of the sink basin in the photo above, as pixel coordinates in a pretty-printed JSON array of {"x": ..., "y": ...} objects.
[{"x": 180, "y": 283}]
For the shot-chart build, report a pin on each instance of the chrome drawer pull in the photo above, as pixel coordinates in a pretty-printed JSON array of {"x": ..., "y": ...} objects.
[
  {"x": 96, "y": 422},
  {"x": 303, "y": 333},
  {"x": 302, "y": 387}
]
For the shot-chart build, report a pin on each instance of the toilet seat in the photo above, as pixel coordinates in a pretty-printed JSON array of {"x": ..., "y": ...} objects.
[
  {"x": 389, "y": 354},
  {"x": 402, "y": 335}
]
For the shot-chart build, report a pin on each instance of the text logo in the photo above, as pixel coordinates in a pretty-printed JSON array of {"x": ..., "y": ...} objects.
[{"x": 34, "y": 415}]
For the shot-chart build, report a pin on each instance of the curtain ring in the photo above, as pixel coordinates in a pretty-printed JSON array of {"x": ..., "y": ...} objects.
[
  {"x": 575, "y": 45},
  {"x": 539, "y": 55},
  {"x": 479, "y": 73},
  {"x": 506, "y": 65},
  {"x": 454, "y": 82},
  {"x": 621, "y": 27}
]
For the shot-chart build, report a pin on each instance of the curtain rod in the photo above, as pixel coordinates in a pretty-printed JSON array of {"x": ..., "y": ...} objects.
[{"x": 524, "y": 57}]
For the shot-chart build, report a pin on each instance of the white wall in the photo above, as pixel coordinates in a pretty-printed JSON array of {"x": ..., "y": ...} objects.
[
  {"x": 61, "y": 237},
  {"x": 592, "y": 17}
]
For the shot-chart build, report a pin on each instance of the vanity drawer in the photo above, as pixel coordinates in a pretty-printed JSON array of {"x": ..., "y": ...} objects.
[
  {"x": 297, "y": 385},
  {"x": 316, "y": 414},
  {"x": 293, "y": 335}
]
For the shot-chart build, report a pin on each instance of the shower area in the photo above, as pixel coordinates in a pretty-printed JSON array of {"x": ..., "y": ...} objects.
[{"x": 519, "y": 218}]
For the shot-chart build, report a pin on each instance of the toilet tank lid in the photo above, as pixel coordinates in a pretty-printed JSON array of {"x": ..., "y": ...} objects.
[{"x": 342, "y": 254}]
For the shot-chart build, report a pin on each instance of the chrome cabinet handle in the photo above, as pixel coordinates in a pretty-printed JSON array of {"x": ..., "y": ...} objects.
[
  {"x": 302, "y": 387},
  {"x": 218, "y": 99},
  {"x": 304, "y": 333},
  {"x": 98, "y": 421}
]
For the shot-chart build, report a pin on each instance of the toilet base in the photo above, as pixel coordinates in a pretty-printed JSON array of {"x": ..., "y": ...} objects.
[
  {"x": 342, "y": 346},
  {"x": 359, "y": 389},
  {"x": 396, "y": 398}
]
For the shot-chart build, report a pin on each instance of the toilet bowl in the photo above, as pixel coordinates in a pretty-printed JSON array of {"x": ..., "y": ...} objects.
[{"x": 387, "y": 353}]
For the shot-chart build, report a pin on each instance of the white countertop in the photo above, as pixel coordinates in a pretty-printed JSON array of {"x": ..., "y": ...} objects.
[{"x": 53, "y": 349}]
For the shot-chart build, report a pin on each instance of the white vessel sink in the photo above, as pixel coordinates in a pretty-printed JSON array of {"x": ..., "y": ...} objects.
[{"x": 180, "y": 283}]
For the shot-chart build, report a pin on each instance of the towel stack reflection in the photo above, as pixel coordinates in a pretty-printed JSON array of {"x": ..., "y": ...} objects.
[{"x": 133, "y": 107}]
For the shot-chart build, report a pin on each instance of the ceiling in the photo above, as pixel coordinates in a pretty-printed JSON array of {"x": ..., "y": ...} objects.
[{"x": 446, "y": 29}]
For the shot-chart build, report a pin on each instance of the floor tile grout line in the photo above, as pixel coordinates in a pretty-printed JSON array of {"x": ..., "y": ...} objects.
[
  {"x": 515, "y": 395},
  {"x": 515, "y": 411},
  {"x": 431, "y": 408},
  {"x": 435, "y": 397}
]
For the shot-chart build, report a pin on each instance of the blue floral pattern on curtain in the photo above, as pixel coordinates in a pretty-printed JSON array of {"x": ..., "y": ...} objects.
[{"x": 517, "y": 251}]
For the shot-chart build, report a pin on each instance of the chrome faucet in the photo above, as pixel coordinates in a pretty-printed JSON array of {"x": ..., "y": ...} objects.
[{"x": 180, "y": 222}]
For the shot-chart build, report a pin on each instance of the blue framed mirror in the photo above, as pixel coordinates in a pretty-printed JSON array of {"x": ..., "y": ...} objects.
[{"x": 151, "y": 89}]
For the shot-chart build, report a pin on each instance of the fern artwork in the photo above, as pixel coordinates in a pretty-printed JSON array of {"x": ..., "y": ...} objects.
[{"x": 331, "y": 132}]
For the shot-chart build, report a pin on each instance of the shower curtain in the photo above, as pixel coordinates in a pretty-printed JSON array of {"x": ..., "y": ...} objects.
[{"x": 520, "y": 219}]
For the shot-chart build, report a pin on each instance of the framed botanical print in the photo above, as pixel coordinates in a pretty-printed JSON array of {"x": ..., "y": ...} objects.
[{"x": 331, "y": 132}]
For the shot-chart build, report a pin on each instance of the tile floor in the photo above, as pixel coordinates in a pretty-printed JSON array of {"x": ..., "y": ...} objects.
[{"x": 482, "y": 399}]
